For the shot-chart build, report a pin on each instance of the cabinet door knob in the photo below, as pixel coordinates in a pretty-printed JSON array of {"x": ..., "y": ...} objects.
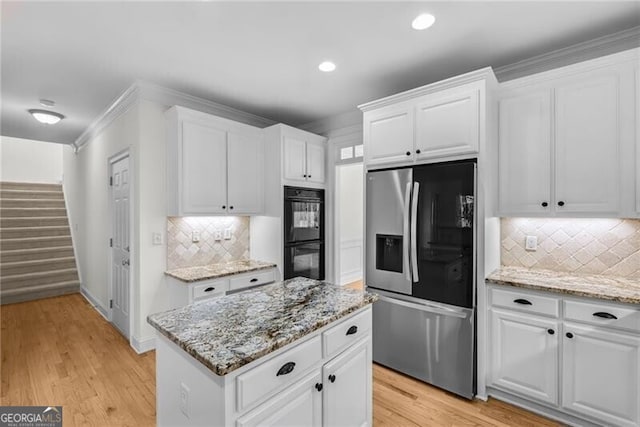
[
  {"x": 304, "y": 176},
  {"x": 332, "y": 378},
  {"x": 230, "y": 207},
  {"x": 551, "y": 331},
  {"x": 545, "y": 204},
  {"x": 418, "y": 151},
  {"x": 319, "y": 386},
  {"x": 560, "y": 203},
  {"x": 308, "y": 176},
  {"x": 408, "y": 153},
  {"x": 569, "y": 335},
  {"x": 224, "y": 207}
]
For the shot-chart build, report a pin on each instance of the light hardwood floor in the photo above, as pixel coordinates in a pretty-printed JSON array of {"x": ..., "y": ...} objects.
[{"x": 60, "y": 351}]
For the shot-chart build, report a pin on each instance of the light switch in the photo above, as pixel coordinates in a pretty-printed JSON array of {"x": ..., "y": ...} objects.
[
  {"x": 227, "y": 234},
  {"x": 531, "y": 243},
  {"x": 157, "y": 238},
  {"x": 195, "y": 236}
]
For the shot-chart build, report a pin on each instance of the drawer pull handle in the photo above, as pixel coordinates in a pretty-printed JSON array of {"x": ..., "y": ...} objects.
[
  {"x": 286, "y": 369},
  {"x": 209, "y": 289},
  {"x": 352, "y": 330},
  {"x": 522, "y": 301},
  {"x": 604, "y": 315},
  {"x": 253, "y": 280},
  {"x": 332, "y": 378},
  {"x": 319, "y": 386}
]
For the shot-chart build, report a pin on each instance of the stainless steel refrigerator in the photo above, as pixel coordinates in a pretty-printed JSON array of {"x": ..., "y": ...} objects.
[{"x": 420, "y": 260}]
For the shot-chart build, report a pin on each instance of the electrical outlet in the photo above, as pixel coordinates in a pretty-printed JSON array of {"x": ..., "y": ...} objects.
[
  {"x": 531, "y": 243},
  {"x": 227, "y": 234},
  {"x": 195, "y": 236},
  {"x": 184, "y": 399},
  {"x": 157, "y": 238},
  {"x": 217, "y": 235}
]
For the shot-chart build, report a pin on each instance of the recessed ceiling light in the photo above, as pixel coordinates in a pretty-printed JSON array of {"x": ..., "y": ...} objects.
[
  {"x": 327, "y": 66},
  {"x": 46, "y": 117},
  {"x": 424, "y": 21}
]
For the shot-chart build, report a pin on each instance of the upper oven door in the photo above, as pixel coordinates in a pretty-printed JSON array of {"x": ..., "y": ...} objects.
[
  {"x": 387, "y": 230},
  {"x": 303, "y": 216}
]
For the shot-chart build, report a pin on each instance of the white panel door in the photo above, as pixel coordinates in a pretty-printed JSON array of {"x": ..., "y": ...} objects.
[
  {"x": 295, "y": 159},
  {"x": 524, "y": 355},
  {"x": 120, "y": 244},
  {"x": 204, "y": 169},
  {"x": 297, "y": 406},
  {"x": 315, "y": 163},
  {"x": 601, "y": 374},
  {"x": 525, "y": 154},
  {"x": 448, "y": 123},
  {"x": 388, "y": 134},
  {"x": 245, "y": 174},
  {"x": 347, "y": 388},
  {"x": 587, "y": 145}
]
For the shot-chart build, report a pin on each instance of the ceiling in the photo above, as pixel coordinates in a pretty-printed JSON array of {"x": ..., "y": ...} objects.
[{"x": 262, "y": 57}]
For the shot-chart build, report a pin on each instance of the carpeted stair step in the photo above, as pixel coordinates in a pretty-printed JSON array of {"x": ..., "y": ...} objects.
[
  {"x": 32, "y": 254},
  {"x": 30, "y": 293},
  {"x": 39, "y": 278},
  {"x": 36, "y": 266}
]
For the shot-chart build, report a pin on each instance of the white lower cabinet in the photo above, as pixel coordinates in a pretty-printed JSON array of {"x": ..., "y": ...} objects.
[
  {"x": 583, "y": 363},
  {"x": 525, "y": 354},
  {"x": 601, "y": 374},
  {"x": 347, "y": 390}
]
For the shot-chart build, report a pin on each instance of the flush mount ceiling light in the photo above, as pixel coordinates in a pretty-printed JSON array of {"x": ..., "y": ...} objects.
[
  {"x": 423, "y": 21},
  {"x": 327, "y": 66},
  {"x": 46, "y": 117}
]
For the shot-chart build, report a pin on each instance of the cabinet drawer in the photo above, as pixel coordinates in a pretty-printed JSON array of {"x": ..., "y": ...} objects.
[
  {"x": 346, "y": 333},
  {"x": 525, "y": 301},
  {"x": 260, "y": 381},
  {"x": 603, "y": 314},
  {"x": 258, "y": 278},
  {"x": 209, "y": 289}
]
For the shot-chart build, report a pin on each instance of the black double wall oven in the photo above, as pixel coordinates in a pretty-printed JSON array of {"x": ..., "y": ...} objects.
[{"x": 303, "y": 233}]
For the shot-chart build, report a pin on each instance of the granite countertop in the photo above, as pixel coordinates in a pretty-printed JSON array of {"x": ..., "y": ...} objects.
[
  {"x": 229, "y": 332},
  {"x": 215, "y": 271},
  {"x": 595, "y": 286}
]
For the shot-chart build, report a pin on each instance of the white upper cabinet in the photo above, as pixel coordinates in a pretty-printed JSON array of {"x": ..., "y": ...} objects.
[
  {"x": 448, "y": 123},
  {"x": 214, "y": 165},
  {"x": 388, "y": 134},
  {"x": 245, "y": 171},
  {"x": 315, "y": 163},
  {"x": 204, "y": 169},
  {"x": 525, "y": 153},
  {"x": 295, "y": 158},
  {"x": 587, "y": 148},
  {"x": 444, "y": 119}
]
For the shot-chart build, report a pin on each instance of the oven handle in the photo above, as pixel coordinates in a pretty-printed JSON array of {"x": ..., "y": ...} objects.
[
  {"x": 405, "y": 232},
  {"x": 414, "y": 231}
]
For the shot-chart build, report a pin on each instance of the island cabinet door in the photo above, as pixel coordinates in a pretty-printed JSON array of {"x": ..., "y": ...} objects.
[
  {"x": 347, "y": 388},
  {"x": 524, "y": 355},
  {"x": 299, "y": 405},
  {"x": 601, "y": 374}
]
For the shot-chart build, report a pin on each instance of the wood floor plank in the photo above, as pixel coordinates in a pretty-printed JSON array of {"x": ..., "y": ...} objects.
[{"x": 60, "y": 351}]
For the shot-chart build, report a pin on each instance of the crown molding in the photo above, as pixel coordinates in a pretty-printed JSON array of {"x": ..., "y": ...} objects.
[
  {"x": 141, "y": 90},
  {"x": 590, "y": 49},
  {"x": 483, "y": 74}
]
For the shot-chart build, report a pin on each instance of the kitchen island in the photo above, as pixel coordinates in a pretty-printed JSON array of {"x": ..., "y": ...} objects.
[{"x": 296, "y": 352}]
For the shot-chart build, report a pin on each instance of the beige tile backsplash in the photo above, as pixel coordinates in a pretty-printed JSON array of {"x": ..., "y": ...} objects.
[
  {"x": 182, "y": 252},
  {"x": 592, "y": 246}
]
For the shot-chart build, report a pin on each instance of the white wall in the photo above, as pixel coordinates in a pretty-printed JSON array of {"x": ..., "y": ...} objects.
[
  {"x": 350, "y": 213},
  {"x": 25, "y": 160}
]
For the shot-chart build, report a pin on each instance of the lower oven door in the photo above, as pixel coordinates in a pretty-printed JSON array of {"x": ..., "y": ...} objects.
[
  {"x": 430, "y": 341},
  {"x": 304, "y": 260}
]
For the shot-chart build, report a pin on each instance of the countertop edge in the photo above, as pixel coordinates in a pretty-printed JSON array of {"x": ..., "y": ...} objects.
[
  {"x": 278, "y": 345},
  {"x": 218, "y": 275}
]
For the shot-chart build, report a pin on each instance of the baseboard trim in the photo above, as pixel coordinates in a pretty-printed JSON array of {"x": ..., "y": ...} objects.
[
  {"x": 94, "y": 303},
  {"x": 143, "y": 345},
  {"x": 536, "y": 408}
]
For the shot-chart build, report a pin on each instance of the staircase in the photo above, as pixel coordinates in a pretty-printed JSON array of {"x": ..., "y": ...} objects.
[{"x": 36, "y": 251}]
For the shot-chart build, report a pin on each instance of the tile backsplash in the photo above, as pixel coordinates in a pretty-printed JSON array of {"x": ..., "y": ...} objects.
[
  {"x": 590, "y": 246},
  {"x": 182, "y": 252}
]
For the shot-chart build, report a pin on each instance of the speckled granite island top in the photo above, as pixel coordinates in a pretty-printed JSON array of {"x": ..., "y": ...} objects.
[
  {"x": 215, "y": 271},
  {"x": 229, "y": 332},
  {"x": 594, "y": 286}
]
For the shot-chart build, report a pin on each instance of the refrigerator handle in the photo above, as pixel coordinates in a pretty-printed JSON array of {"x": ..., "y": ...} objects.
[
  {"x": 414, "y": 230},
  {"x": 405, "y": 232}
]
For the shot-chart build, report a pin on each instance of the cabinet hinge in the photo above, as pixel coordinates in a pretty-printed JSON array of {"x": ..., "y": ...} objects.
[
  {"x": 111, "y": 181},
  {"x": 111, "y": 242},
  {"x": 110, "y": 303}
]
